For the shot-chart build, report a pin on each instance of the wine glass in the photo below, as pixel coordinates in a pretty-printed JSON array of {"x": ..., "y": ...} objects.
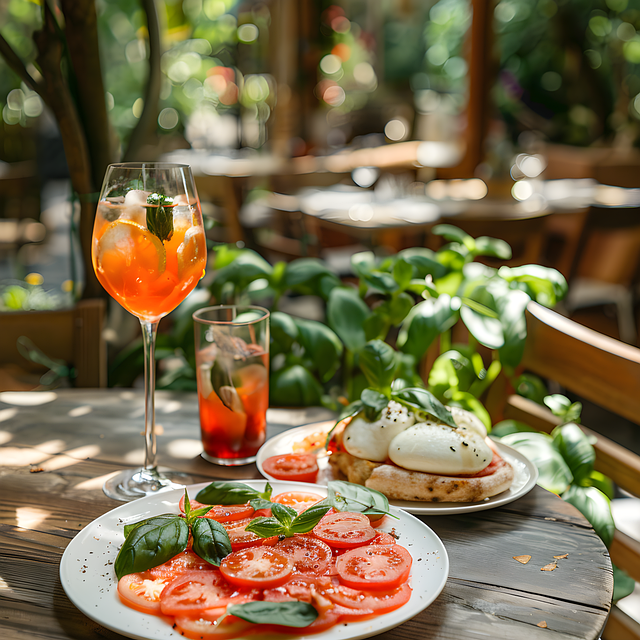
[{"x": 148, "y": 252}]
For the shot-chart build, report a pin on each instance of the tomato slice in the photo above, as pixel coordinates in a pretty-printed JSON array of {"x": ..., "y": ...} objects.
[
  {"x": 344, "y": 530},
  {"x": 199, "y": 628},
  {"x": 257, "y": 567},
  {"x": 379, "y": 566},
  {"x": 299, "y": 467},
  {"x": 379, "y": 601},
  {"x": 141, "y": 592},
  {"x": 309, "y": 556},
  {"x": 195, "y": 591},
  {"x": 298, "y": 500},
  {"x": 219, "y": 512},
  {"x": 382, "y": 537},
  {"x": 185, "y": 561}
]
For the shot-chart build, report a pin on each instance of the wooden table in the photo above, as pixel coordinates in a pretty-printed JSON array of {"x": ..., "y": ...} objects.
[{"x": 54, "y": 458}]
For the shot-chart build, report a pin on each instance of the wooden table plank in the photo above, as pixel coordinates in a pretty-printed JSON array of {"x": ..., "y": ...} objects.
[{"x": 487, "y": 594}]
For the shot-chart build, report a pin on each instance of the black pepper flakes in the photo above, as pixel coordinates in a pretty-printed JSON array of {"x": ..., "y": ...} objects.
[{"x": 452, "y": 449}]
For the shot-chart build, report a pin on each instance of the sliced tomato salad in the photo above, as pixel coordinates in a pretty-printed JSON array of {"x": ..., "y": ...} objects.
[
  {"x": 298, "y": 467},
  {"x": 344, "y": 568}
]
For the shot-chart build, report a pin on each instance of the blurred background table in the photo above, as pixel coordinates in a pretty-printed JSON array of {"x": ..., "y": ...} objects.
[{"x": 57, "y": 448}]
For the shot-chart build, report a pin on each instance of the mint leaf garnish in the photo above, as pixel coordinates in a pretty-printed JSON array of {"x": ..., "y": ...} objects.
[{"x": 159, "y": 217}]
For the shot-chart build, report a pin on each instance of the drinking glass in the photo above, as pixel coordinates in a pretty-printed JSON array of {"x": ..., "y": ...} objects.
[
  {"x": 148, "y": 252},
  {"x": 232, "y": 365}
]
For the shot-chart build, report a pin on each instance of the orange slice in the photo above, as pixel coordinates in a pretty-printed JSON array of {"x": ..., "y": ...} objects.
[{"x": 126, "y": 245}]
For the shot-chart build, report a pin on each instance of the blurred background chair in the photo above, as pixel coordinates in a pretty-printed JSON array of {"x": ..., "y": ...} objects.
[{"x": 606, "y": 372}]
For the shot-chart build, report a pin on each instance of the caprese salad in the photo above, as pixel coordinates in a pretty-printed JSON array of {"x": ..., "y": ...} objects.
[{"x": 238, "y": 561}]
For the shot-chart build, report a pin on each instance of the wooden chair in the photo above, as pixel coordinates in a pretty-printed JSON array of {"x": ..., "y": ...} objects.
[
  {"x": 605, "y": 372},
  {"x": 72, "y": 335}
]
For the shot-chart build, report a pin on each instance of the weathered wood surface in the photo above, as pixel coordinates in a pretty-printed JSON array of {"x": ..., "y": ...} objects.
[{"x": 82, "y": 436}]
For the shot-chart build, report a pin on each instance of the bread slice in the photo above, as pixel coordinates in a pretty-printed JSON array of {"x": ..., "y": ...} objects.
[{"x": 402, "y": 484}]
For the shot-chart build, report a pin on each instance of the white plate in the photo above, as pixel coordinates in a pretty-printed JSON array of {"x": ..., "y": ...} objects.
[
  {"x": 300, "y": 438},
  {"x": 88, "y": 578}
]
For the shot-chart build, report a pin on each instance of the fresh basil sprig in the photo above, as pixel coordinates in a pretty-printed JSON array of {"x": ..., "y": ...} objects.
[
  {"x": 421, "y": 401},
  {"x": 286, "y": 521},
  {"x": 288, "y": 614},
  {"x": 234, "y": 493},
  {"x": 159, "y": 216},
  {"x": 153, "y": 541},
  {"x": 346, "y": 496}
]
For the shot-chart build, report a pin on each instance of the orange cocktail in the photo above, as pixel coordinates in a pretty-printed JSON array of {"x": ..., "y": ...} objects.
[{"x": 148, "y": 275}]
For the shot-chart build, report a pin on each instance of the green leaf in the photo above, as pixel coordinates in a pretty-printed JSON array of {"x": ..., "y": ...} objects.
[
  {"x": 284, "y": 331},
  {"x": 160, "y": 216},
  {"x": 602, "y": 482},
  {"x": 321, "y": 345},
  {"x": 283, "y": 514},
  {"x": 505, "y": 427},
  {"x": 531, "y": 387},
  {"x": 150, "y": 545},
  {"x": 511, "y": 307},
  {"x": 374, "y": 403},
  {"x": 376, "y": 326},
  {"x": 289, "y": 614},
  {"x": 554, "y": 474},
  {"x": 221, "y": 492},
  {"x": 525, "y": 272},
  {"x": 623, "y": 584},
  {"x": 260, "y": 503},
  {"x": 310, "y": 517},
  {"x": 451, "y": 233},
  {"x": 402, "y": 273},
  {"x": 424, "y": 262},
  {"x": 451, "y": 370},
  {"x": 423, "y": 401},
  {"x": 484, "y": 325},
  {"x": 346, "y": 496},
  {"x": 210, "y": 540},
  {"x": 396, "y": 309},
  {"x": 574, "y": 446},
  {"x": 466, "y": 401},
  {"x": 558, "y": 404},
  {"x": 154, "y": 521},
  {"x": 266, "y": 527},
  {"x": 425, "y": 322},
  {"x": 595, "y": 507},
  {"x": 303, "y": 270},
  {"x": 294, "y": 386},
  {"x": 346, "y": 313},
  {"x": 494, "y": 247},
  {"x": 449, "y": 284},
  {"x": 378, "y": 362}
]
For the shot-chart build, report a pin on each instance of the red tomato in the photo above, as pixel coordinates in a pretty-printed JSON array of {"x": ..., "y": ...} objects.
[
  {"x": 380, "y": 566},
  {"x": 185, "y": 561},
  {"x": 309, "y": 556},
  {"x": 344, "y": 530},
  {"x": 195, "y": 591},
  {"x": 256, "y": 567},
  {"x": 299, "y": 467},
  {"x": 378, "y": 601},
  {"x": 221, "y": 513},
  {"x": 382, "y": 537},
  {"x": 204, "y": 629},
  {"x": 140, "y": 591},
  {"x": 298, "y": 500}
]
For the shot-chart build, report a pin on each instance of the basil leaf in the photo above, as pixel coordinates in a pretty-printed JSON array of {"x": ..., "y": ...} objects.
[
  {"x": 268, "y": 490},
  {"x": 374, "y": 403},
  {"x": 346, "y": 496},
  {"x": 160, "y": 216},
  {"x": 266, "y": 527},
  {"x": 288, "y": 614},
  {"x": 310, "y": 517},
  {"x": 210, "y": 540},
  {"x": 128, "y": 528},
  {"x": 347, "y": 412},
  {"x": 424, "y": 401},
  {"x": 285, "y": 515},
  {"x": 187, "y": 504},
  {"x": 198, "y": 513},
  {"x": 227, "y": 493},
  {"x": 378, "y": 363},
  {"x": 260, "y": 503},
  {"x": 150, "y": 545}
]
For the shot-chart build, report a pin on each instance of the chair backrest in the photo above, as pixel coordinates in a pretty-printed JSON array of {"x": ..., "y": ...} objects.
[
  {"x": 72, "y": 335},
  {"x": 605, "y": 372}
]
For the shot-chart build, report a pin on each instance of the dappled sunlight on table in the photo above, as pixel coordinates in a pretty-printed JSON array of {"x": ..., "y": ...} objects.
[
  {"x": 94, "y": 483},
  {"x": 5, "y": 437},
  {"x": 80, "y": 411},
  {"x": 184, "y": 448},
  {"x": 7, "y": 414},
  {"x": 27, "y": 398},
  {"x": 30, "y": 517}
]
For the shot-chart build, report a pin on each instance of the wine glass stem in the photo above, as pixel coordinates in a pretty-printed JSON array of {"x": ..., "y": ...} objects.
[{"x": 149, "y": 331}]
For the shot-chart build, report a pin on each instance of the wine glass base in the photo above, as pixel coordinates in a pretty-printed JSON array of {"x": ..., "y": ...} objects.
[
  {"x": 228, "y": 462},
  {"x": 132, "y": 484}
]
